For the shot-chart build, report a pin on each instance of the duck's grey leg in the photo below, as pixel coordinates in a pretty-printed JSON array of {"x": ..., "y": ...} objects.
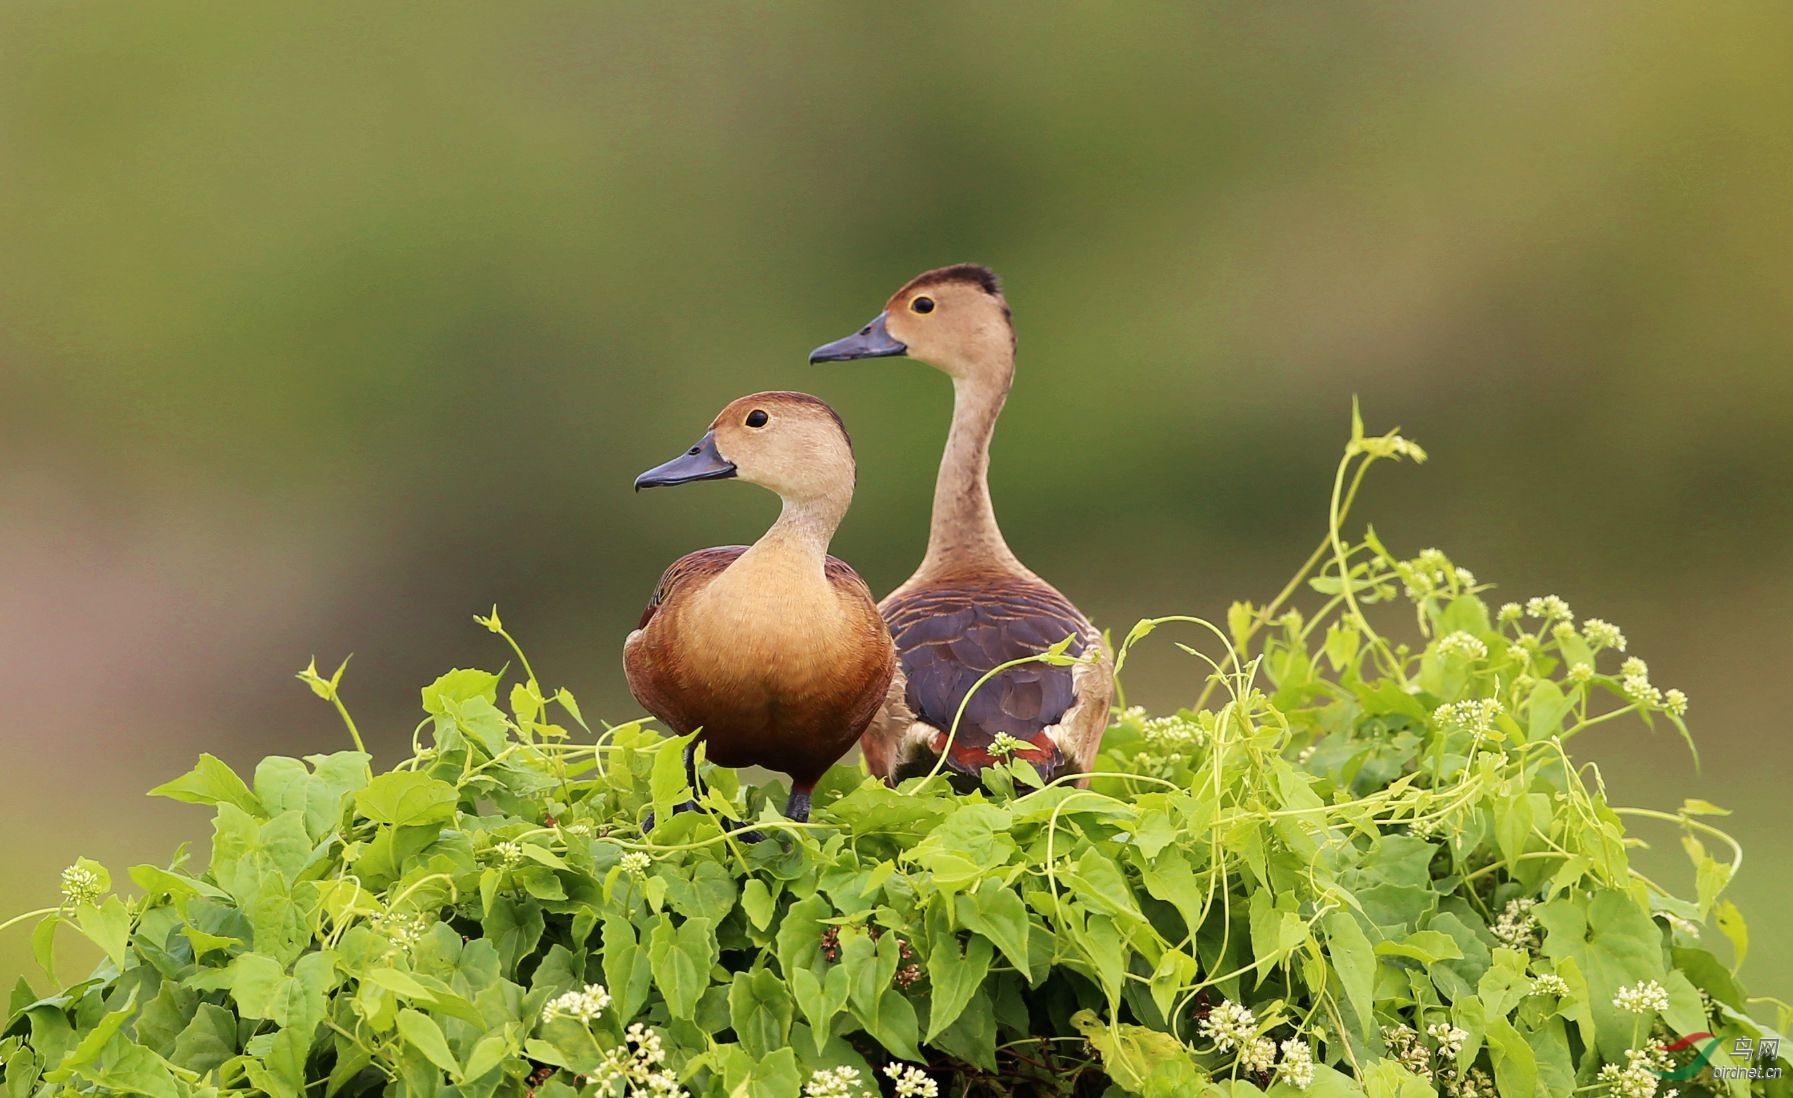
[{"x": 797, "y": 808}]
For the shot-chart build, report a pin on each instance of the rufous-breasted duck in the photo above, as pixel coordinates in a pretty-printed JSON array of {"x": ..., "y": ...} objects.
[
  {"x": 972, "y": 605},
  {"x": 774, "y": 651}
]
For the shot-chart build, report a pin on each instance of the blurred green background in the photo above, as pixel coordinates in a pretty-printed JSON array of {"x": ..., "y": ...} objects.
[{"x": 323, "y": 327}]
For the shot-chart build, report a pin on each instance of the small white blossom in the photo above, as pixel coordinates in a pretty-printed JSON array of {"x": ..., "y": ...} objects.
[
  {"x": 1297, "y": 1066},
  {"x": 1405, "y": 1045},
  {"x": 81, "y": 885},
  {"x": 1449, "y": 1038},
  {"x": 581, "y": 828},
  {"x": 637, "y": 1065},
  {"x": 1462, "y": 645},
  {"x": 1258, "y": 1054},
  {"x": 1563, "y": 630},
  {"x": 1471, "y": 715},
  {"x": 1580, "y": 673},
  {"x": 508, "y": 852},
  {"x": 1639, "y": 690},
  {"x": 1642, "y": 998},
  {"x": 402, "y": 930},
  {"x": 1173, "y": 733},
  {"x": 1550, "y": 983},
  {"x": 1474, "y": 1083},
  {"x": 586, "y": 1005},
  {"x": 1638, "y": 1078},
  {"x": 911, "y": 1081},
  {"x": 840, "y": 1082},
  {"x": 1635, "y": 667},
  {"x": 1547, "y": 608},
  {"x": 1675, "y": 702},
  {"x": 635, "y": 863},
  {"x": 1509, "y": 611},
  {"x": 1229, "y": 1025},
  {"x": 1516, "y": 927},
  {"x": 1603, "y": 634},
  {"x": 1002, "y": 745},
  {"x": 1465, "y": 578}
]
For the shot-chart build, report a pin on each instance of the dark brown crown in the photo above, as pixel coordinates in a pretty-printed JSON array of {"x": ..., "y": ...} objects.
[{"x": 972, "y": 274}]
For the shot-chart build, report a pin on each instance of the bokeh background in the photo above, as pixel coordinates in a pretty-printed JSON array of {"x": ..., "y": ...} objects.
[{"x": 323, "y": 327}]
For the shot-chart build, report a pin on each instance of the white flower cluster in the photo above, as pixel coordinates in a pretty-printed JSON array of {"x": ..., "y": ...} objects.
[
  {"x": 580, "y": 828},
  {"x": 81, "y": 885},
  {"x": 911, "y": 1081},
  {"x": 508, "y": 853},
  {"x": 1645, "y": 997},
  {"x": 635, "y": 863},
  {"x": 840, "y": 1082},
  {"x": 1547, "y": 608},
  {"x": 1430, "y": 573},
  {"x": 402, "y": 930},
  {"x": 1638, "y": 1077},
  {"x": 1448, "y": 1037},
  {"x": 1297, "y": 1066},
  {"x": 1172, "y": 733},
  {"x": 1002, "y": 745},
  {"x": 1258, "y": 1054},
  {"x": 1516, "y": 927},
  {"x": 1509, "y": 611},
  {"x": 1603, "y": 634},
  {"x": 1580, "y": 673},
  {"x": 1461, "y": 645},
  {"x": 586, "y": 1005},
  {"x": 1229, "y": 1025},
  {"x": 1475, "y": 1083},
  {"x": 1471, "y": 715},
  {"x": 638, "y": 1066},
  {"x": 1405, "y": 1045},
  {"x": 1550, "y": 983}
]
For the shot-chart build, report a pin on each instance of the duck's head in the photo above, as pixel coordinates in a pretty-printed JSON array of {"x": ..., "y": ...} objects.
[
  {"x": 792, "y": 443},
  {"x": 954, "y": 318}
]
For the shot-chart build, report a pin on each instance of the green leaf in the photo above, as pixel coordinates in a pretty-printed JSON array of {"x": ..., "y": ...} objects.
[
  {"x": 1000, "y": 916},
  {"x": 422, "y": 1033},
  {"x": 1355, "y": 963},
  {"x": 107, "y": 926},
  {"x": 406, "y": 798},
  {"x": 1614, "y": 943},
  {"x": 211, "y": 782},
  {"x": 953, "y": 977},
  {"x": 457, "y": 686},
  {"x": 1428, "y": 947},
  {"x": 209, "y": 1039},
  {"x": 681, "y": 958},
  {"x": 1515, "y": 1066},
  {"x": 759, "y": 1008}
]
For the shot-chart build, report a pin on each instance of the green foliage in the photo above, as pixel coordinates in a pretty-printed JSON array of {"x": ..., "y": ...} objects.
[{"x": 1355, "y": 866}]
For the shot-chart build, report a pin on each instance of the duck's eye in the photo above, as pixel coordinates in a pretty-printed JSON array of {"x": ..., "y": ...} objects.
[
  {"x": 922, "y": 305},
  {"x": 756, "y": 418}
]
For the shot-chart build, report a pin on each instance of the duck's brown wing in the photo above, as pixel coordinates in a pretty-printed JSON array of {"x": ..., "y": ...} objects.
[
  {"x": 949, "y": 635},
  {"x": 692, "y": 566}
]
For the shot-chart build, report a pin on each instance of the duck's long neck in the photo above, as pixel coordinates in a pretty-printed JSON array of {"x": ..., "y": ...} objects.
[
  {"x": 964, "y": 531},
  {"x": 801, "y": 535}
]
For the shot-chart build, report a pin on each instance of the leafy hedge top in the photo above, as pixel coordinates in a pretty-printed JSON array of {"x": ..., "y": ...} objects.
[{"x": 1365, "y": 868}]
